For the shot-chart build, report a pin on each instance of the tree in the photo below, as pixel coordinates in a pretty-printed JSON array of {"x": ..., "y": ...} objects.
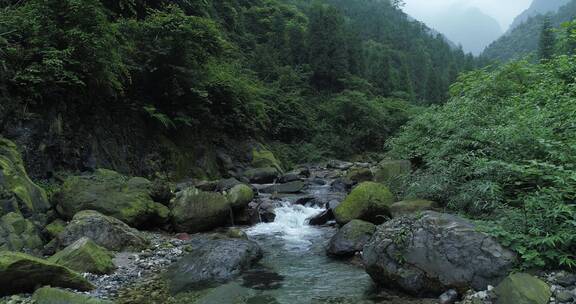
[
  {"x": 547, "y": 40},
  {"x": 328, "y": 51}
]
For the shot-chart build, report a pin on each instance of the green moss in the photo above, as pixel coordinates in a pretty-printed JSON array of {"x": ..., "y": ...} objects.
[
  {"x": 522, "y": 288},
  {"x": 357, "y": 228},
  {"x": 21, "y": 272},
  {"x": 240, "y": 196},
  {"x": 55, "y": 227},
  {"x": 264, "y": 158},
  {"x": 48, "y": 295},
  {"x": 369, "y": 201},
  {"x": 85, "y": 256},
  {"x": 113, "y": 194},
  {"x": 195, "y": 211},
  {"x": 17, "y": 181},
  {"x": 19, "y": 234}
]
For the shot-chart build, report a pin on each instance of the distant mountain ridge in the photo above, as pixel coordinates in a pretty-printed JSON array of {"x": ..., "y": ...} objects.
[
  {"x": 538, "y": 7},
  {"x": 523, "y": 39}
]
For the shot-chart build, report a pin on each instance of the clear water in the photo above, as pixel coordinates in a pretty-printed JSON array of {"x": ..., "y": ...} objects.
[{"x": 295, "y": 268}]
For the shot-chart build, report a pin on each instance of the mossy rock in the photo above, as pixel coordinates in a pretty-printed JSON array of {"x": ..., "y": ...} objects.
[
  {"x": 408, "y": 207},
  {"x": 22, "y": 273},
  {"x": 48, "y": 295},
  {"x": 390, "y": 171},
  {"x": 262, "y": 175},
  {"x": 106, "y": 231},
  {"x": 196, "y": 211},
  {"x": 14, "y": 178},
  {"x": 359, "y": 175},
  {"x": 240, "y": 196},
  {"x": 522, "y": 288},
  {"x": 56, "y": 227},
  {"x": 113, "y": 194},
  {"x": 264, "y": 158},
  {"x": 369, "y": 201},
  {"x": 85, "y": 256},
  {"x": 351, "y": 238},
  {"x": 19, "y": 234}
]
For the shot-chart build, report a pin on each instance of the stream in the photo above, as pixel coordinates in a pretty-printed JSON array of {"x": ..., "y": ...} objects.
[{"x": 295, "y": 268}]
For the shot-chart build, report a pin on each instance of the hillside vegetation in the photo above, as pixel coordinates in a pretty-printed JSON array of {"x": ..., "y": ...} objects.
[{"x": 90, "y": 80}]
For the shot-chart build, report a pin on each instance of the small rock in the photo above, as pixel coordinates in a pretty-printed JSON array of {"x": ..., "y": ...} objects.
[
  {"x": 564, "y": 297},
  {"x": 449, "y": 297}
]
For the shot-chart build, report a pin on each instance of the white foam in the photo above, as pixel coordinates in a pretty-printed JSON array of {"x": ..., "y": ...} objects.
[{"x": 291, "y": 225}]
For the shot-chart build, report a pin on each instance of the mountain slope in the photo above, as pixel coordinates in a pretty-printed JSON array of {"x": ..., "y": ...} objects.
[
  {"x": 538, "y": 7},
  {"x": 523, "y": 40}
]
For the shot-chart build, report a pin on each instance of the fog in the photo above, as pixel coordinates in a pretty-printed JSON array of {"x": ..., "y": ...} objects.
[
  {"x": 504, "y": 11},
  {"x": 474, "y": 24}
]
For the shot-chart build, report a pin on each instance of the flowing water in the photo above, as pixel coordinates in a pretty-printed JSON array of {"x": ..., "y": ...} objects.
[{"x": 295, "y": 268}]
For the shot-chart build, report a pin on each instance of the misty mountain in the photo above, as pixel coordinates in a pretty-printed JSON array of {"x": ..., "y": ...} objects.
[
  {"x": 467, "y": 26},
  {"x": 523, "y": 39},
  {"x": 536, "y": 8}
]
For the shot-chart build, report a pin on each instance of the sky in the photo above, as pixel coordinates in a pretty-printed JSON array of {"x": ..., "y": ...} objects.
[{"x": 502, "y": 10}]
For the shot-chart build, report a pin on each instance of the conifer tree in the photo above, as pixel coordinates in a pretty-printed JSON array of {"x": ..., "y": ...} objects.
[{"x": 547, "y": 41}]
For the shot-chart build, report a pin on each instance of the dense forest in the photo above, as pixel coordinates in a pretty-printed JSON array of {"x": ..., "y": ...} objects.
[
  {"x": 331, "y": 77},
  {"x": 282, "y": 151},
  {"x": 523, "y": 39}
]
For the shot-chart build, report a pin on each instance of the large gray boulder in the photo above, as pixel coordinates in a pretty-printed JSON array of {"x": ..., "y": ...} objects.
[
  {"x": 351, "y": 238},
  {"x": 105, "y": 231},
  {"x": 212, "y": 261},
  {"x": 434, "y": 252}
]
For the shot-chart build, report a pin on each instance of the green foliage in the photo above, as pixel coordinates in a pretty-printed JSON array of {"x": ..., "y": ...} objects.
[
  {"x": 504, "y": 148},
  {"x": 547, "y": 41}
]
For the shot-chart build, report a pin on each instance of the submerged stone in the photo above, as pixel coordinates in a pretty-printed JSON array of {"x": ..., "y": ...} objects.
[{"x": 48, "y": 295}]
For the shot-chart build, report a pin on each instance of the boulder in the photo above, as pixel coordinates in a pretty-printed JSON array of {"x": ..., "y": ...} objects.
[
  {"x": 322, "y": 218},
  {"x": 160, "y": 192},
  {"x": 105, "y": 231},
  {"x": 359, "y": 175},
  {"x": 390, "y": 171},
  {"x": 48, "y": 295},
  {"x": 196, "y": 211},
  {"x": 435, "y": 252},
  {"x": 85, "y": 256},
  {"x": 227, "y": 184},
  {"x": 408, "y": 207},
  {"x": 369, "y": 201},
  {"x": 341, "y": 185},
  {"x": 112, "y": 194},
  {"x": 261, "y": 212},
  {"x": 287, "y": 188},
  {"x": 212, "y": 261},
  {"x": 26, "y": 196},
  {"x": 240, "y": 196},
  {"x": 19, "y": 234},
  {"x": 522, "y": 288},
  {"x": 290, "y": 177},
  {"x": 261, "y": 175},
  {"x": 264, "y": 158},
  {"x": 22, "y": 273},
  {"x": 351, "y": 238}
]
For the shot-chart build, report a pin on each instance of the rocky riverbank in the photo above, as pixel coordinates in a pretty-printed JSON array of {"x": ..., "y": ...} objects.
[{"x": 331, "y": 233}]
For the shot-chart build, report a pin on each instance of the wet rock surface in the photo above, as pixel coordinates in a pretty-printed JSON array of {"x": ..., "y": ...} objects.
[{"x": 433, "y": 253}]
